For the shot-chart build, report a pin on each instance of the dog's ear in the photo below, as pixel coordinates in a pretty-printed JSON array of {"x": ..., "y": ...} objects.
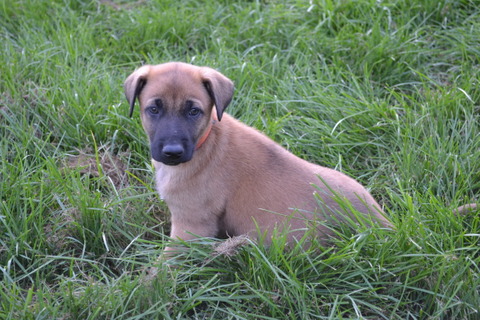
[
  {"x": 219, "y": 87},
  {"x": 134, "y": 85}
]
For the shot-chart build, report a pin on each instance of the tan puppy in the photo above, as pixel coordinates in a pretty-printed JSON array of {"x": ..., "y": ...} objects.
[{"x": 221, "y": 178}]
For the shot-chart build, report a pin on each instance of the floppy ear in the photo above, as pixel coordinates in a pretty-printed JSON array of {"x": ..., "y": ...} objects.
[
  {"x": 134, "y": 85},
  {"x": 219, "y": 87}
]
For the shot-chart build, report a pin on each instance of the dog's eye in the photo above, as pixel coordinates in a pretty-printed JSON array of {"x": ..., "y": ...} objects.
[
  {"x": 194, "y": 112},
  {"x": 153, "y": 110},
  {"x": 155, "y": 107}
]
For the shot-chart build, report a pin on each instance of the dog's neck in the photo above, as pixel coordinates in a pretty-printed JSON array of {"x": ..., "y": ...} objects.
[{"x": 204, "y": 137}]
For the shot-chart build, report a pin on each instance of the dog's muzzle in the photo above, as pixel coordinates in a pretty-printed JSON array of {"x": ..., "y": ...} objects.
[{"x": 171, "y": 154}]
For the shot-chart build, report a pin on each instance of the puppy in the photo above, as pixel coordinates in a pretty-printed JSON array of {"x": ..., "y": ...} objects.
[{"x": 221, "y": 178}]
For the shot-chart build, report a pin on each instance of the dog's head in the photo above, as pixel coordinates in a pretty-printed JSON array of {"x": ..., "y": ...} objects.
[{"x": 176, "y": 106}]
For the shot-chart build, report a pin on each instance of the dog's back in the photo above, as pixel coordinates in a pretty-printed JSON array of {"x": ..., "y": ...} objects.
[{"x": 268, "y": 186}]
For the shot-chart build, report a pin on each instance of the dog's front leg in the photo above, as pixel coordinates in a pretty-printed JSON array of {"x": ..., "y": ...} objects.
[
  {"x": 189, "y": 230},
  {"x": 185, "y": 231}
]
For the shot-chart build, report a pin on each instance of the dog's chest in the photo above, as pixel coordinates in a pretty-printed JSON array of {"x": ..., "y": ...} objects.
[
  {"x": 166, "y": 182},
  {"x": 176, "y": 186}
]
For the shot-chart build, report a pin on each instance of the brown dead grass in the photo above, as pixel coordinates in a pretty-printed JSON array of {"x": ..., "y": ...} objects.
[
  {"x": 103, "y": 163},
  {"x": 231, "y": 246}
]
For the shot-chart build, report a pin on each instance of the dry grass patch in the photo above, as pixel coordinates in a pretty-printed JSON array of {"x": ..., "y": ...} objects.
[{"x": 102, "y": 163}]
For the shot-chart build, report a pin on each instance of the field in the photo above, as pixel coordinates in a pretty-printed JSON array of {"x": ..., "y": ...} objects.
[{"x": 384, "y": 91}]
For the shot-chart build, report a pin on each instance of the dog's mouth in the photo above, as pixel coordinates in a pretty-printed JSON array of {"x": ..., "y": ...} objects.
[{"x": 171, "y": 162}]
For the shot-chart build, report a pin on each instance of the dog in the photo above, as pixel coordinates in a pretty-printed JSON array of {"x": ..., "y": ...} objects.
[{"x": 221, "y": 178}]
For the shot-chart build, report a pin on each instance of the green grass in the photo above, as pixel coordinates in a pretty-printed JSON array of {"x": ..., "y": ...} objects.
[{"x": 385, "y": 91}]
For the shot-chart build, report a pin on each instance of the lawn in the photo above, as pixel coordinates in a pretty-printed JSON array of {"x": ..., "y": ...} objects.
[{"x": 387, "y": 92}]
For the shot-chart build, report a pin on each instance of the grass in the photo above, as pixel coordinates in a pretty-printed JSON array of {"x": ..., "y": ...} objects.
[{"x": 385, "y": 91}]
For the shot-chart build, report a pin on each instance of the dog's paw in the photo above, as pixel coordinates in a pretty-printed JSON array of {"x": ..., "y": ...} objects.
[{"x": 148, "y": 275}]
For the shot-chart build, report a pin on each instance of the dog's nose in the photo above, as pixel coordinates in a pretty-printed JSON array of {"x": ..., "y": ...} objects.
[{"x": 173, "y": 151}]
